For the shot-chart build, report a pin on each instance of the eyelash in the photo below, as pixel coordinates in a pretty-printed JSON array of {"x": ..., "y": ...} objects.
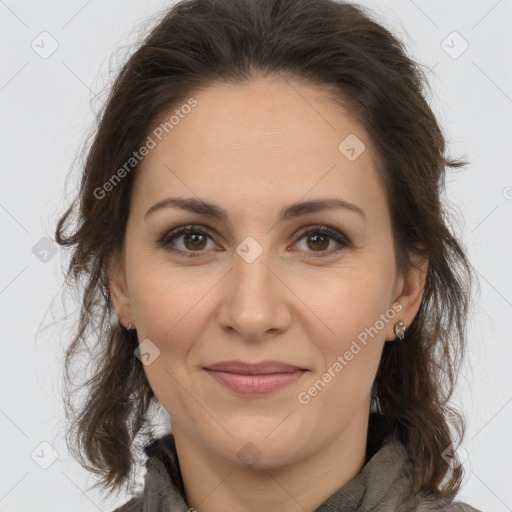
[{"x": 169, "y": 236}]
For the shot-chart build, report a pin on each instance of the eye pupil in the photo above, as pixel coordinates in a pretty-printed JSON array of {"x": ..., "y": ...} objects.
[
  {"x": 195, "y": 238},
  {"x": 322, "y": 238}
]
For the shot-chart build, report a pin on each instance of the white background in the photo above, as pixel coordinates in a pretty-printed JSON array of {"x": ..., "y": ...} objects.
[{"x": 46, "y": 108}]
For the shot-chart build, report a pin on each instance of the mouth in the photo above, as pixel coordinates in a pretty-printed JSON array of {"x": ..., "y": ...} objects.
[{"x": 254, "y": 379}]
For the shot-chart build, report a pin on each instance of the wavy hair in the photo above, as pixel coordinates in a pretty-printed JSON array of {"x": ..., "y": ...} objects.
[{"x": 328, "y": 43}]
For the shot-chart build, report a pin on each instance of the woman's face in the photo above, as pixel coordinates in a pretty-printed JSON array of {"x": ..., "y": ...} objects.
[{"x": 262, "y": 283}]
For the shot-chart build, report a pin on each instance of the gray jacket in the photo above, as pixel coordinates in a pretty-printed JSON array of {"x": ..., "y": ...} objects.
[{"x": 383, "y": 485}]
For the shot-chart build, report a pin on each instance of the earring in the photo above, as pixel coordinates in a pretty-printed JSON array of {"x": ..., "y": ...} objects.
[
  {"x": 400, "y": 330},
  {"x": 129, "y": 326}
]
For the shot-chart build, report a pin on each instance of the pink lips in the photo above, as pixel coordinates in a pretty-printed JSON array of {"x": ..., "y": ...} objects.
[{"x": 250, "y": 379}]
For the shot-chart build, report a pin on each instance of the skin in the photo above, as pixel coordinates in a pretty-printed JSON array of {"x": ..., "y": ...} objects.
[{"x": 254, "y": 149}]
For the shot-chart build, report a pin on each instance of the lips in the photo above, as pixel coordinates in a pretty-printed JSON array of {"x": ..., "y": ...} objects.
[
  {"x": 262, "y": 368},
  {"x": 254, "y": 379}
]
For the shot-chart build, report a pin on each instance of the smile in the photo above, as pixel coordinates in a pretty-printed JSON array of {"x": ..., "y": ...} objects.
[{"x": 255, "y": 384}]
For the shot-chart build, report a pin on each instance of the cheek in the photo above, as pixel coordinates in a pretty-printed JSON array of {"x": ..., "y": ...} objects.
[
  {"x": 169, "y": 309},
  {"x": 168, "y": 306},
  {"x": 355, "y": 314},
  {"x": 163, "y": 297},
  {"x": 348, "y": 301}
]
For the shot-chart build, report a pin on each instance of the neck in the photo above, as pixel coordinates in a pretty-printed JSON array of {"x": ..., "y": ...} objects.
[{"x": 214, "y": 484}]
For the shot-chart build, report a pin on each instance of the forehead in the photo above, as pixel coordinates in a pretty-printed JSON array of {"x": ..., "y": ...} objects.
[{"x": 270, "y": 136}]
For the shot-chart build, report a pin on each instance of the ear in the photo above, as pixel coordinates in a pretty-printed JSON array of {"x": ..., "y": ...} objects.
[
  {"x": 119, "y": 291},
  {"x": 409, "y": 293}
]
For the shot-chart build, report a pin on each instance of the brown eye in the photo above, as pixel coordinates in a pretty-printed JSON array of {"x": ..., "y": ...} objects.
[
  {"x": 194, "y": 241},
  {"x": 318, "y": 242}
]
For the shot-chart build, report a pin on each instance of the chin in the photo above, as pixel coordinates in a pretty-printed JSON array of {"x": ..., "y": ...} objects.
[{"x": 260, "y": 451}]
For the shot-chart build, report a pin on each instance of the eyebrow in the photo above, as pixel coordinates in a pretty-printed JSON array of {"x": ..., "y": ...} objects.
[{"x": 294, "y": 210}]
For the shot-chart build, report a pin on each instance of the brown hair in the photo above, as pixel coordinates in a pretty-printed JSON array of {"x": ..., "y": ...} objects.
[{"x": 321, "y": 42}]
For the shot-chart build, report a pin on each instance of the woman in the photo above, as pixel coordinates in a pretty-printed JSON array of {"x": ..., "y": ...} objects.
[{"x": 266, "y": 257}]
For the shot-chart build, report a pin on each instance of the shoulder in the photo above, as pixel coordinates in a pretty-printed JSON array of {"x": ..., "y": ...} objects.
[
  {"x": 458, "y": 506},
  {"x": 134, "y": 505},
  {"x": 430, "y": 503},
  {"x": 163, "y": 484}
]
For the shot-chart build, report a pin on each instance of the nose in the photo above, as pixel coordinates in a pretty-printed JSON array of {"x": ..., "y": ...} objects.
[{"x": 255, "y": 300}]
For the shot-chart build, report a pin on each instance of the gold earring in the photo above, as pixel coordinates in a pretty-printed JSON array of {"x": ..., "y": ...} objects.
[{"x": 400, "y": 330}]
